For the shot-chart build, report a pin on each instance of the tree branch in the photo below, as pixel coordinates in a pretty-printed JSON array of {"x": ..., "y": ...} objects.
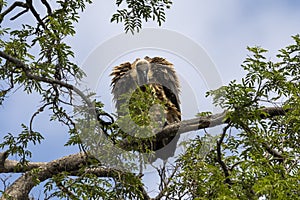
[
  {"x": 3, "y": 157},
  {"x": 165, "y": 181},
  {"x": 49, "y": 10},
  {"x": 278, "y": 156},
  {"x": 70, "y": 194},
  {"x": 273, "y": 152},
  {"x": 219, "y": 155},
  {"x": 43, "y": 171},
  {"x": 12, "y": 7},
  {"x": 35, "y": 14},
  {"x": 23, "y": 185},
  {"x": 168, "y": 132},
  {"x": 13, "y": 166},
  {"x": 187, "y": 126},
  {"x": 25, "y": 68}
]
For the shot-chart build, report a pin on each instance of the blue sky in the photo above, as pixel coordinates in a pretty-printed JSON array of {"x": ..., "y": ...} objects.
[{"x": 222, "y": 28}]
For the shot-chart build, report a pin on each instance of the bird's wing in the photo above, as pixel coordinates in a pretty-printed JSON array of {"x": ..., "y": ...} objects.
[
  {"x": 122, "y": 82},
  {"x": 163, "y": 73}
]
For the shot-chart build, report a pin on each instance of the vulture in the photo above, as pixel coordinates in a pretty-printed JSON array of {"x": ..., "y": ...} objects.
[{"x": 148, "y": 90}]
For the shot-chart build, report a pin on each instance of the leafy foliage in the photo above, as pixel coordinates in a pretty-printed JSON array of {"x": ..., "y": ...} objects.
[
  {"x": 135, "y": 11},
  {"x": 89, "y": 186},
  {"x": 254, "y": 157},
  {"x": 17, "y": 145}
]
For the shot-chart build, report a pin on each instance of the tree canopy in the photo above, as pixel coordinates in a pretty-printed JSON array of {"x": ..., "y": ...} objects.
[{"x": 255, "y": 155}]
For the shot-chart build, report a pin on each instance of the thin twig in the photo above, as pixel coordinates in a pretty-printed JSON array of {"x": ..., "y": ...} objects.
[
  {"x": 65, "y": 190},
  {"x": 219, "y": 154},
  {"x": 13, "y": 6},
  {"x": 35, "y": 14},
  {"x": 19, "y": 14},
  {"x": 49, "y": 10},
  {"x": 41, "y": 109},
  {"x": 165, "y": 182}
]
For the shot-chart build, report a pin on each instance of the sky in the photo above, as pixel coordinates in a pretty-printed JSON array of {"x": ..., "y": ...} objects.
[{"x": 222, "y": 29}]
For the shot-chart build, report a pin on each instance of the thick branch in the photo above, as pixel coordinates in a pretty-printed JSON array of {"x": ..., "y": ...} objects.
[
  {"x": 187, "y": 126},
  {"x": 13, "y": 166},
  {"x": 72, "y": 163},
  {"x": 23, "y": 185},
  {"x": 3, "y": 157}
]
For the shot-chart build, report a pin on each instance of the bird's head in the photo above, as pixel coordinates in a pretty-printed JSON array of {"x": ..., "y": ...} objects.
[{"x": 142, "y": 69}]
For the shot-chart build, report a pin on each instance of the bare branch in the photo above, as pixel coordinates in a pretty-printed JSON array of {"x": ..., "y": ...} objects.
[
  {"x": 35, "y": 14},
  {"x": 4, "y": 181},
  {"x": 41, "y": 109},
  {"x": 49, "y": 10},
  {"x": 19, "y": 14},
  {"x": 219, "y": 155},
  {"x": 12, "y": 7},
  {"x": 165, "y": 181}
]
